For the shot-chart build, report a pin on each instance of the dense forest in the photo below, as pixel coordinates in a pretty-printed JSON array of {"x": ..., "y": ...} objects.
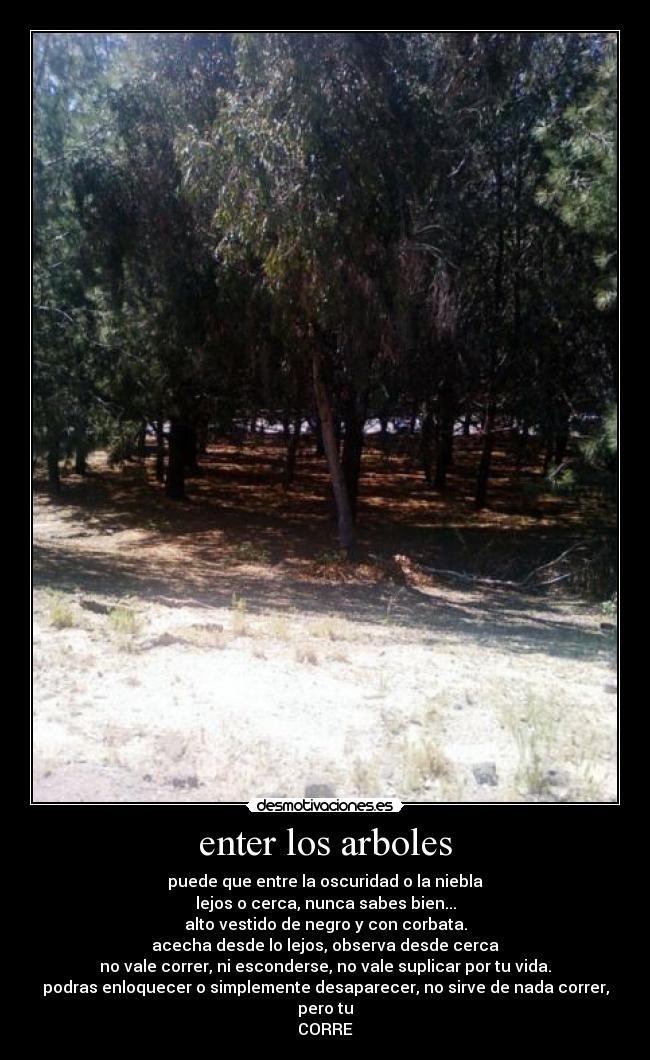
[
  {"x": 325, "y": 439},
  {"x": 412, "y": 227}
]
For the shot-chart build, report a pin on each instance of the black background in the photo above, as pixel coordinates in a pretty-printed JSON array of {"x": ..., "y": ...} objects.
[
  {"x": 90, "y": 884},
  {"x": 553, "y": 889}
]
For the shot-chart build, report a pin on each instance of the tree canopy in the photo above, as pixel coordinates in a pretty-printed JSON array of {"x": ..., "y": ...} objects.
[{"x": 330, "y": 225}]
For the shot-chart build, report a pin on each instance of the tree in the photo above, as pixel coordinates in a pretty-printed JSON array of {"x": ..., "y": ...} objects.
[
  {"x": 70, "y": 83},
  {"x": 326, "y": 224}
]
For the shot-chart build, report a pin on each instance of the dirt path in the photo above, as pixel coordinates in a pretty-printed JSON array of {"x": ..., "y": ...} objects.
[
  {"x": 227, "y": 673},
  {"x": 244, "y": 659}
]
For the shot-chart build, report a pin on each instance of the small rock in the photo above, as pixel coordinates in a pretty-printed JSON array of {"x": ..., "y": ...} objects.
[
  {"x": 319, "y": 791},
  {"x": 556, "y": 778},
  {"x": 185, "y": 782},
  {"x": 458, "y": 706},
  {"x": 610, "y": 688},
  {"x": 147, "y": 778},
  {"x": 96, "y": 606},
  {"x": 607, "y": 627},
  {"x": 485, "y": 773},
  {"x": 171, "y": 745},
  {"x": 163, "y": 640}
]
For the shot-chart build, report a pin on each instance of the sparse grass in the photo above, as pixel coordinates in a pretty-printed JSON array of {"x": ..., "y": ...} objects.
[
  {"x": 586, "y": 787},
  {"x": 248, "y": 552},
  {"x": 329, "y": 557},
  {"x": 329, "y": 628},
  {"x": 394, "y": 722},
  {"x": 124, "y": 621},
  {"x": 435, "y": 646},
  {"x": 609, "y": 608},
  {"x": 533, "y": 727},
  {"x": 366, "y": 777},
  {"x": 451, "y": 788},
  {"x": 305, "y": 654},
  {"x": 114, "y": 738},
  {"x": 59, "y": 612},
  {"x": 238, "y": 607},
  {"x": 240, "y": 627},
  {"x": 339, "y": 656},
  {"x": 420, "y": 762},
  {"x": 278, "y": 627},
  {"x": 383, "y": 684},
  {"x": 391, "y": 603},
  {"x": 431, "y": 711}
]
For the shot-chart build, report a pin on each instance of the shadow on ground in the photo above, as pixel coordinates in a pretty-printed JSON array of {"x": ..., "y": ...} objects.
[
  {"x": 115, "y": 533},
  {"x": 506, "y": 620}
]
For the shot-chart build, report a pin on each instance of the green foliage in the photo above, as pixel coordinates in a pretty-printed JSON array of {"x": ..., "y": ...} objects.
[
  {"x": 581, "y": 149},
  {"x": 431, "y": 213},
  {"x": 60, "y": 613},
  {"x": 238, "y": 604},
  {"x": 328, "y": 557},
  {"x": 124, "y": 621},
  {"x": 561, "y": 479},
  {"x": 121, "y": 442},
  {"x": 601, "y": 449},
  {"x": 249, "y": 552},
  {"x": 609, "y": 607}
]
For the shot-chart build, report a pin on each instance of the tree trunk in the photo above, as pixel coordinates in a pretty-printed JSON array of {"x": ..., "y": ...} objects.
[
  {"x": 293, "y": 441},
  {"x": 444, "y": 456},
  {"x": 343, "y": 510},
  {"x": 445, "y": 452},
  {"x": 53, "y": 466},
  {"x": 191, "y": 450},
  {"x": 338, "y": 433},
  {"x": 355, "y": 418},
  {"x": 522, "y": 447},
  {"x": 548, "y": 452},
  {"x": 486, "y": 457},
  {"x": 490, "y": 414},
  {"x": 175, "y": 480},
  {"x": 385, "y": 437},
  {"x": 320, "y": 448},
  {"x": 467, "y": 423},
  {"x": 561, "y": 441},
  {"x": 160, "y": 451},
  {"x": 426, "y": 444},
  {"x": 202, "y": 437},
  {"x": 414, "y": 417},
  {"x": 81, "y": 452},
  {"x": 141, "y": 442}
]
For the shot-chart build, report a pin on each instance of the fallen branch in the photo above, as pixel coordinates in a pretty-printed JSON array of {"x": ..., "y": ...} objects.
[
  {"x": 551, "y": 563},
  {"x": 469, "y": 577},
  {"x": 560, "y": 578},
  {"x": 508, "y": 584}
]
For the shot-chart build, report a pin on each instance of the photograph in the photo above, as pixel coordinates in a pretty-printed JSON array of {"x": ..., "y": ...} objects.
[{"x": 324, "y": 416}]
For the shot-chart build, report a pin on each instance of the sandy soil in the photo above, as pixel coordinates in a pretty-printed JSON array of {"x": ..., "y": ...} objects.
[{"x": 233, "y": 676}]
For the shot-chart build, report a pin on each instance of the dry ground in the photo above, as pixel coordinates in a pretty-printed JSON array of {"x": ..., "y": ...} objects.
[{"x": 216, "y": 649}]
